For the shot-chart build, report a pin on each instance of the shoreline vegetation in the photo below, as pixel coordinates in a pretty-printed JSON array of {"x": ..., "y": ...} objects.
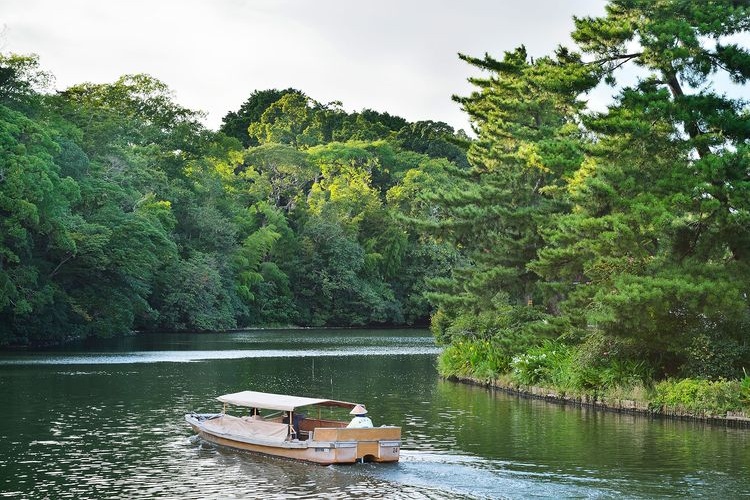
[
  {"x": 730, "y": 418},
  {"x": 607, "y": 252},
  {"x": 557, "y": 372}
]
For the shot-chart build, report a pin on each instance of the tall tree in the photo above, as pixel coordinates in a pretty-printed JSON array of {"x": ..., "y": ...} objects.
[
  {"x": 655, "y": 250},
  {"x": 35, "y": 221},
  {"x": 236, "y": 123},
  {"x": 290, "y": 120},
  {"x": 528, "y": 142}
]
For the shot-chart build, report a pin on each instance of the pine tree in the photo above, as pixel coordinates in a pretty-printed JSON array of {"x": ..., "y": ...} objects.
[
  {"x": 654, "y": 251},
  {"x": 528, "y": 141}
]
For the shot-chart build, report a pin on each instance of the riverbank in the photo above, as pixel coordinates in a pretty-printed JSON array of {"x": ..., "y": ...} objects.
[{"x": 738, "y": 419}]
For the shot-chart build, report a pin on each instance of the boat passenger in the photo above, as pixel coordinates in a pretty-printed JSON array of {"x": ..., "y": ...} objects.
[
  {"x": 296, "y": 419},
  {"x": 360, "y": 420}
]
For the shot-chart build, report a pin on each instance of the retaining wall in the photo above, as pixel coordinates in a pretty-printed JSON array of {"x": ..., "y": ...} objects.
[{"x": 732, "y": 419}]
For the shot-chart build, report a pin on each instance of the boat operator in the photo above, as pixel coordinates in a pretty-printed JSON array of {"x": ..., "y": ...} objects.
[{"x": 360, "y": 420}]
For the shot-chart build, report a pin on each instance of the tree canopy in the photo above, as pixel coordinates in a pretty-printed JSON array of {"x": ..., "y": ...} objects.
[{"x": 121, "y": 212}]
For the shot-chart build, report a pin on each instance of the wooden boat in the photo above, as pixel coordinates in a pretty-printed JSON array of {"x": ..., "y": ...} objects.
[{"x": 292, "y": 434}]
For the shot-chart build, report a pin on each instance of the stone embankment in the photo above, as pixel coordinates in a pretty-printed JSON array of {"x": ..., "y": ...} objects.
[{"x": 731, "y": 419}]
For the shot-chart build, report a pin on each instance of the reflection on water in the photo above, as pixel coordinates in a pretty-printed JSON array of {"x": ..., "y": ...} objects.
[
  {"x": 188, "y": 356},
  {"x": 80, "y": 425}
]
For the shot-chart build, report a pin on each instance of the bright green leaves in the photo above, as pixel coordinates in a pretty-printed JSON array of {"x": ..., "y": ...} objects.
[
  {"x": 283, "y": 172},
  {"x": 135, "y": 110},
  {"x": 344, "y": 191},
  {"x": 21, "y": 79},
  {"x": 249, "y": 257},
  {"x": 290, "y": 120}
]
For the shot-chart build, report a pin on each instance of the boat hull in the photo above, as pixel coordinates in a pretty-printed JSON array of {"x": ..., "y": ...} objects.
[{"x": 325, "y": 445}]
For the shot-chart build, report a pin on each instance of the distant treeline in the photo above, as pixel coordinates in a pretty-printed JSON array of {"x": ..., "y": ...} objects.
[{"x": 119, "y": 211}]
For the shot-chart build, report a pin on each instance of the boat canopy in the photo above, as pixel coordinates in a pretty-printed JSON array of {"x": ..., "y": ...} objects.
[{"x": 280, "y": 402}]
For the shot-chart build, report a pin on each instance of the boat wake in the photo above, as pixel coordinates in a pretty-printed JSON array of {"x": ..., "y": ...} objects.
[{"x": 467, "y": 476}]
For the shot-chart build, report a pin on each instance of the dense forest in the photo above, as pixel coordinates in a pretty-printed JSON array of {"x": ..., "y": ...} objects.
[
  {"x": 561, "y": 245},
  {"x": 121, "y": 212}
]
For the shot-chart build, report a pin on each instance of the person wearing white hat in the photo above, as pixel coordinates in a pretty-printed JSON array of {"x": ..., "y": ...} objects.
[{"x": 360, "y": 420}]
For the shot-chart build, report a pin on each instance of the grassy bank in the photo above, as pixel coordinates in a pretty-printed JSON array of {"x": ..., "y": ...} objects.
[{"x": 557, "y": 371}]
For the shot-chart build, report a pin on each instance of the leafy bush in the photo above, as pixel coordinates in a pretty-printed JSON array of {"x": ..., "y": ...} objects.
[
  {"x": 483, "y": 325},
  {"x": 745, "y": 390},
  {"x": 712, "y": 355},
  {"x": 480, "y": 345},
  {"x": 540, "y": 364},
  {"x": 698, "y": 396},
  {"x": 483, "y": 359},
  {"x": 625, "y": 372},
  {"x": 439, "y": 324}
]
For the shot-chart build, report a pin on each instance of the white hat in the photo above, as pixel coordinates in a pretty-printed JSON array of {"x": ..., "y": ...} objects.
[{"x": 358, "y": 410}]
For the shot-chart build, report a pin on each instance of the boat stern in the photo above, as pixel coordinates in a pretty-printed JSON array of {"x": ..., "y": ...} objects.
[{"x": 376, "y": 444}]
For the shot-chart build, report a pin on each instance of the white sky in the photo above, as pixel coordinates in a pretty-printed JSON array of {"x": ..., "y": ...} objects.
[{"x": 387, "y": 55}]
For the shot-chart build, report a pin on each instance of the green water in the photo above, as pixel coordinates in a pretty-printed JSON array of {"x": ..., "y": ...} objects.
[{"x": 105, "y": 420}]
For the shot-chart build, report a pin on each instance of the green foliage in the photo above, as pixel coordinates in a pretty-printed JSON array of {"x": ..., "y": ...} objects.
[
  {"x": 713, "y": 354},
  {"x": 627, "y": 226},
  {"x": 570, "y": 369},
  {"x": 491, "y": 340},
  {"x": 538, "y": 364},
  {"x": 745, "y": 390},
  {"x": 236, "y": 123},
  {"x": 34, "y": 219},
  {"x": 21, "y": 80},
  {"x": 697, "y": 396},
  {"x": 284, "y": 172},
  {"x": 250, "y": 255},
  {"x": 482, "y": 359},
  {"x": 435, "y": 139},
  {"x": 192, "y": 296},
  {"x": 289, "y": 120},
  {"x": 527, "y": 144},
  {"x": 120, "y": 211}
]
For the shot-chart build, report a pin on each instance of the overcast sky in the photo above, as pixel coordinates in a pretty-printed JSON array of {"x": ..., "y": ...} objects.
[{"x": 397, "y": 56}]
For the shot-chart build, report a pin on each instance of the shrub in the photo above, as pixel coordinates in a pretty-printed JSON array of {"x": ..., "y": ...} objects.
[
  {"x": 625, "y": 372},
  {"x": 439, "y": 324},
  {"x": 745, "y": 390},
  {"x": 712, "y": 356},
  {"x": 540, "y": 364},
  {"x": 698, "y": 396},
  {"x": 479, "y": 358}
]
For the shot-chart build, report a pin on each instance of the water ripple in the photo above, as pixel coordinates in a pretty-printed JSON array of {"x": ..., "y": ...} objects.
[
  {"x": 117, "y": 430},
  {"x": 191, "y": 356}
]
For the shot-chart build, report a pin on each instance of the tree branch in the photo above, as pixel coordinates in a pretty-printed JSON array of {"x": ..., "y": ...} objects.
[
  {"x": 54, "y": 271},
  {"x": 624, "y": 57}
]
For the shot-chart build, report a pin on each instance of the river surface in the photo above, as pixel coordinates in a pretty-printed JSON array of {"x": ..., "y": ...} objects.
[{"x": 105, "y": 420}]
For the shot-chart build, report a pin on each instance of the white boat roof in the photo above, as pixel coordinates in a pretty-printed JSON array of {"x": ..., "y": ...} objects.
[{"x": 282, "y": 402}]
